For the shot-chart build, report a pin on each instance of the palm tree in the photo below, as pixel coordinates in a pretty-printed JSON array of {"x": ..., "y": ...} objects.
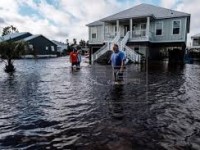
[{"x": 9, "y": 50}]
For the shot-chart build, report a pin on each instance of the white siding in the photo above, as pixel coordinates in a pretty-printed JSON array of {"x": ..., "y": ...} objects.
[
  {"x": 109, "y": 31},
  {"x": 98, "y": 30},
  {"x": 167, "y": 33}
]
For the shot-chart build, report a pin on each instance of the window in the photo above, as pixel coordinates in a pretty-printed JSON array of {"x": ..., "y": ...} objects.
[
  {"x": 52, "y": 48},
  {"x": 196, "y": 42},
  {"x": 94, "y": 32},
  {"x": 176, "y": 27},
  {"x": 94, "y": 35},
  {"x": 30, "y": 46},
  {"x": 47, "y": 48},
  {"x": 159, "y": 28}
]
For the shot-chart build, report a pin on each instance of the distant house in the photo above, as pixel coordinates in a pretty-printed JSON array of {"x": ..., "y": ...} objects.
[
  {"x": 196, "y": 41},
  {"x": 141, "y": 31},
  {"x": 194, "y": 50},
  {"x": 61, "y": 47},
  {"x": 43, "y": 47}
]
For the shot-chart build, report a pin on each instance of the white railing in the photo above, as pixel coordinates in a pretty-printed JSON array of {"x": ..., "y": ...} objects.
[
  {"x": 108, "y": 46},
  {"x": 98, "y": 53},
  {"x": 139, "y": 33},
  {"x": 116, "y": 39},
  {"x": 132, "y": 55},
  {"x": 124, "y": 40}
]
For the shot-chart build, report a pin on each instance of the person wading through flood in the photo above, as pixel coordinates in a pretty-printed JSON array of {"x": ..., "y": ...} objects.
[
  {"x": 79, "y": 60},
  {"x": 74, "y": 58},
  {"x": 117, "y": 62}
]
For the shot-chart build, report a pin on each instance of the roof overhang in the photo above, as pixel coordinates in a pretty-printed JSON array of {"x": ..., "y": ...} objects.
[{"x": 129, "y": 17}]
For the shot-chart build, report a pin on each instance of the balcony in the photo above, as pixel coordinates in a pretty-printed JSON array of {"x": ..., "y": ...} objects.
[{"x": 140, "y": 36}]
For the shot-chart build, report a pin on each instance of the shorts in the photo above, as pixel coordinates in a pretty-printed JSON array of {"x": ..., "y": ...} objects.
[
  {"x": 118, "y": 76},
  {"x": 74, "y": 63}
]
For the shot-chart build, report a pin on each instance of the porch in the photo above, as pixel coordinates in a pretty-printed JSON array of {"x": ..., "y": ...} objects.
[{"x": 139, "y": 29}]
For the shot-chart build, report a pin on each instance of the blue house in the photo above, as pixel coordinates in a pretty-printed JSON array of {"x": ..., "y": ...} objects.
[{"x": 141, "y": 31}]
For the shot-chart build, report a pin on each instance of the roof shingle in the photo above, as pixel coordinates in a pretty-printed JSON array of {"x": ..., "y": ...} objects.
[
  {"x": 146, "y": 10},
  {"x": 142, "y": 10}
]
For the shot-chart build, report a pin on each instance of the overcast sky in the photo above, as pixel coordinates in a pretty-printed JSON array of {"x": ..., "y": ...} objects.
[{"x": 62, "y": 19}]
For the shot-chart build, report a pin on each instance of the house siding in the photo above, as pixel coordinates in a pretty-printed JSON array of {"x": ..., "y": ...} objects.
[
  {"x": 99, "y": 35},
  {"x": 167, "y": 35},
  {"x": 40, "y": 43},
  {"x": 109, "y": 31}
]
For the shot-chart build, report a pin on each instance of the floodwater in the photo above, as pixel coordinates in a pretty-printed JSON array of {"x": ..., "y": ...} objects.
[{"x": 44, "y": 105}]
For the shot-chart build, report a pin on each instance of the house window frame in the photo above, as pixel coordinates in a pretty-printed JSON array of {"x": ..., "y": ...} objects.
[
  {"x": 46, "y": 48},
  {"x": 196, "y": 42},
  {"x": 93, "y": 31},
  {"x": 52, "y": 48},
  {"x": 173, "y": 27},
  {"x": 157, "y": 28},
  {"x": 30, "y": 46}
]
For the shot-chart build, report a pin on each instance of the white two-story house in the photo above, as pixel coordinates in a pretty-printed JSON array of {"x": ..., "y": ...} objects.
[{"x": 143, "y": 30}]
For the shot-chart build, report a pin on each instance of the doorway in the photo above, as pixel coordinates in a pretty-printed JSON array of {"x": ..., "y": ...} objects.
[{"x": 126, "y": 29}]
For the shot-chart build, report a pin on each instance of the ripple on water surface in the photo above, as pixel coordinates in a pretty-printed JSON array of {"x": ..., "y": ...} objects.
[{"x": 46, "y": 106}]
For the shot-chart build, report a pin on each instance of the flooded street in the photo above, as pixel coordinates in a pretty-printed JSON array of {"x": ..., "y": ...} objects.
[{"x": 44, "y": 105}]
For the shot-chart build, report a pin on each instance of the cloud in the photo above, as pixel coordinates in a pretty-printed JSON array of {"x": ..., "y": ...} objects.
[
  {"x": 168, "y": 3},
  {"x": 1, "y": 20},
  {"x": 64, "y": 19},
  {"x": 68, "y": 18}
]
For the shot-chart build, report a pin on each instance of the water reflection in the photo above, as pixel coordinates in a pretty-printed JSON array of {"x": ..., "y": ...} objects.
[
  {"x": 115, "y": 101},
  {"x": 45, "y": 106}
]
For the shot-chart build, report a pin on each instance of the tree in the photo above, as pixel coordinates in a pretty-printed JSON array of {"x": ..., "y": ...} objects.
[
  {"x": 82, "y": 43},
  {"x": 67, "y": 41},
  {"x": 9, "y": 50},
  {"x": 87, "y": 43},
  {"x": 74, "y": 41},
  {"x": 9, "y": 29}
]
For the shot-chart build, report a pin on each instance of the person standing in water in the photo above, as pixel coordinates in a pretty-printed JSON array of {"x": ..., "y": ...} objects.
[
  {"x": 74, "y": 58},
  {"x": 79, "y": 59},
  {"x": 117, "y": 62}
]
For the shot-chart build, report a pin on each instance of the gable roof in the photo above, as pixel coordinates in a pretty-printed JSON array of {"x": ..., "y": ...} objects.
[
  {"x": 13, "y": 36},
  {"x": 196, "y": 36},
  {"x": 143, "y": 10},
  {"x": 36, "y": 36},
  {"x": 95, "y": 23},
  {"x": 31, "y": 37}
]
